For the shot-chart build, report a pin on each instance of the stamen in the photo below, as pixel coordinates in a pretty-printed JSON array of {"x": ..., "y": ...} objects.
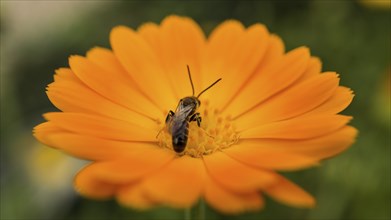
[{"x": 216, "y": 132}]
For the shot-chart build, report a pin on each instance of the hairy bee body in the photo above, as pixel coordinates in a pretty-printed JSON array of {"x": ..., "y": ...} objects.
[{"x": 178, "y": 122}]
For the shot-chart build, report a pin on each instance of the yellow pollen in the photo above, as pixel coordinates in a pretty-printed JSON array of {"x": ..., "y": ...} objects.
[{"x": 215, "y": 133}]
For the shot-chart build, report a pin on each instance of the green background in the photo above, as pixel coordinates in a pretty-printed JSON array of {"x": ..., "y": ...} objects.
[{"x": 349, "y": 37}]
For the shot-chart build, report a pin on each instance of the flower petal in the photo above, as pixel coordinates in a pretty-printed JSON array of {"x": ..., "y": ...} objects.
[
  {"x": 66, "y": 74},
  {"x": 150, "y": 32},
  {"x": 236, "y": 176},
  {"x": 42, "y": 130},
  {"x": 313, "y": 69},
  {"x": 241, "y": 58},
  {"x": 269, "y": 81},
  {"x": 133, "y": 196},
  {"x": 224, "y": 36},
  {"x": 106, "y": 60},
  {"x": 88, "y": 147},
  {"x": 289, "y": 193},
  {"x": 314, "y": 149},
  {"x": 103, "y": 127},
  {"x": 142, "y": 64},
  {"x": 275, "y": 52},
  {"x": 254, "y": 155},
  {"x": 87, "y": 185},
  {"x": 294, "y": 101},
  {"x": 137, "y": 163},
  {"x": 113, "y": 85},
  {"x": 341, "y": 99},
  {"x": 65, "y": 95},
  {"x": 180, "y": 42},
  {"x": 297, "y": 128},
  {"x": 228, "y": 202},
  {"x": 273, "y": 55},
  {"x": 179, "y": 184}
]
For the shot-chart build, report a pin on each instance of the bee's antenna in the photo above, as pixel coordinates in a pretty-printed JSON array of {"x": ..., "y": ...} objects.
[
  {"x": 191, "y": 81},
  {"x": 208, "y": 87}
]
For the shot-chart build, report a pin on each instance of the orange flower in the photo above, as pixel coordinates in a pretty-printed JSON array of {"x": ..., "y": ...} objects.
[{"x": 272, "y": 111}]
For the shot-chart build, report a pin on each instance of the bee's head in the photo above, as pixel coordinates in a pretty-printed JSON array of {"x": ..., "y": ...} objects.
[{"x": 190, "y": 101}]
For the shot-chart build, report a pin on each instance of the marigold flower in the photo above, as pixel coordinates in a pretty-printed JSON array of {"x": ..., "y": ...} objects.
[{"x": 272, "y": 111}]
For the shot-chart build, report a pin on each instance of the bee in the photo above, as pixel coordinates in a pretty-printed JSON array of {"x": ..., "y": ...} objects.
[{"x": 178, "y": 122}]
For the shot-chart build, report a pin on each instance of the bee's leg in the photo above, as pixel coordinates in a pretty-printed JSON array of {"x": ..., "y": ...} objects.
[
  {"x": 169, "y": 116},
  {"x": 199, "y": 119},
  {"x": 196, "y": 117}
]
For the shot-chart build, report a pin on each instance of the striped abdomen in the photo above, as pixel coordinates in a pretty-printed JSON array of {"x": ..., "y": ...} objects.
[{"x": 179, "y": 136}]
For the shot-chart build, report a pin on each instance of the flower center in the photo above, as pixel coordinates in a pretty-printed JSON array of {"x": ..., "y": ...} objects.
[{"x": 215, "y": 133}]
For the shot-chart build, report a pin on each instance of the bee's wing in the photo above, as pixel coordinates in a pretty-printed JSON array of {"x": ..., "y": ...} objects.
[
  {"x": 183, "y": 112},
  {"x": 180, "y": 118}
]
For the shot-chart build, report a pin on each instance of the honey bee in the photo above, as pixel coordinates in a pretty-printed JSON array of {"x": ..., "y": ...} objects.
[{"x": 178, "y": 122}]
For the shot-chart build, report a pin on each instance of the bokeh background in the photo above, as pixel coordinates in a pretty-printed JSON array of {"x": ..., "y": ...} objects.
[{"x": 37, "y": 37}]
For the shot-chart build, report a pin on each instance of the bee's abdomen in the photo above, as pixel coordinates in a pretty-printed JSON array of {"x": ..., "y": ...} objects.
[
  {"x": 179, "y": 142},
  {"x": 179, "y": 137}
]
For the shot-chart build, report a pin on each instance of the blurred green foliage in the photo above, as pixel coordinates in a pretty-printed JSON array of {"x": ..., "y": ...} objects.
[{"x": 349, "y": 38}]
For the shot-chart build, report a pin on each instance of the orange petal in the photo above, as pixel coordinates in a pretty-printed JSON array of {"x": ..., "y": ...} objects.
[
  {"x": 254, "y": 155},
  {"x": 224, "y": 36},
  {"x": 236, "y": 176},
  {"x": 65, "y": 74},
  {"x": 294, "y": 101},
  {"x": 240, "y": 59},
  {"x": 102, "y": 127},
  {"x": 178, "y": 184},
  {"x": 142, "y": 64},
  {"x": 228, "y": 202},
  {"x": 65, "y": 95},
  {"x": 87, "y": 185},
  {"x": 136, "y": 164},
  {"x": 341, "y": 99},
  {"x": 106, "y": 60},
  {"x": 268, "y": 81},
  {"x": 313, "y": 69},
  {"x": 133, "y": 196},
  {"x": 289, "y": 193},
  {"x": 274, "y": 53},
  {"x": 273, "y": 56},
  {"x": 317, "y": 148},
  {"x": 113, "y": 85},
  {"x": 42, "y": 130},
  {"x": 88, "y": 147},
  {"x": 150, "y": 32},
  {"x": 180, "y": 42},
  {"x": 298, "y": 128}
]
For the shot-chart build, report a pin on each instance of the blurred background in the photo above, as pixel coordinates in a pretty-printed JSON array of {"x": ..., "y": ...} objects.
[{"x": 37, "y": 37}]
